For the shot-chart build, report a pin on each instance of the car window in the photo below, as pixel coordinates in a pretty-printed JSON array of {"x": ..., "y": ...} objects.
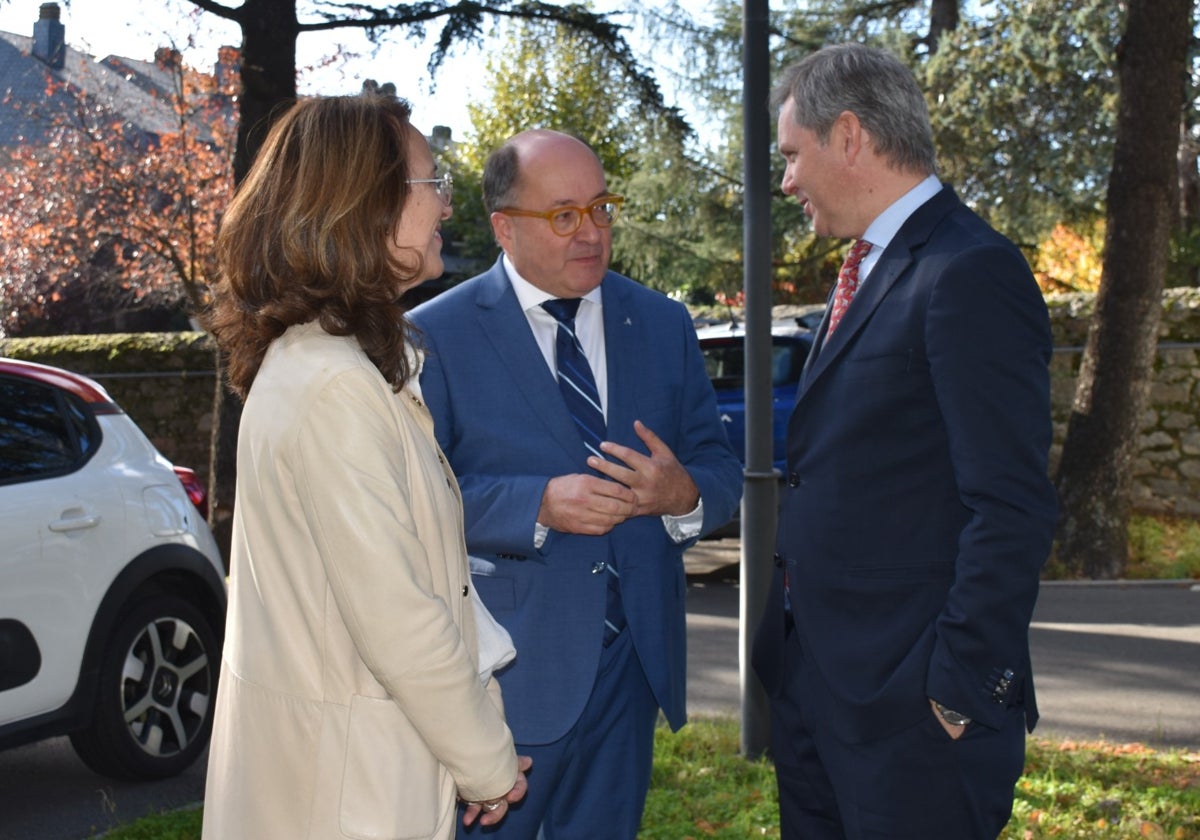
[
  {"x": 787, "y": 360},
  {"x": 43, "y": 432},
  {"x": 725, "y": 362}
]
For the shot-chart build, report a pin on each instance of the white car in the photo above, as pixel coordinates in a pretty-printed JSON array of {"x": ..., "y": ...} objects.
[{"x": 112, "y": 590}]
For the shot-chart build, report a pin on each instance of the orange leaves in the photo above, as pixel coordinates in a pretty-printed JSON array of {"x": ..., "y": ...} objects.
[
  {"x": 1070, "y": 260},
  {"x": 103, "y": 205}
]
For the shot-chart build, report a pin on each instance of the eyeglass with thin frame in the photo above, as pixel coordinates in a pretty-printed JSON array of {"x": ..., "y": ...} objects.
[
  {"x": 568, "y": 218},
  {"x": 443, "y": 185}
]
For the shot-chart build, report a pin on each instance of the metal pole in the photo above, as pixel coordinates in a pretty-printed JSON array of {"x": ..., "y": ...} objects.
[{"x": 760, "y": 480}]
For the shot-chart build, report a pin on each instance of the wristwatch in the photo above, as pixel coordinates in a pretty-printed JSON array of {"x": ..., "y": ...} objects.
[{"x": 950, "y": 716}]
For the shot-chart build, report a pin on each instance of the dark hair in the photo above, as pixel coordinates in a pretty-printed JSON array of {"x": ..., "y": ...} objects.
[
  {"x": 309, "y": 236},
  {"x": 873, "y": 85},
  {"x": 500, "y": 172}
]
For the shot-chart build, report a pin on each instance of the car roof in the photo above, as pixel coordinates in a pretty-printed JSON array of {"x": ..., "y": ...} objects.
[
  {"x": 785, "y": 327},
  {"x": 88, "y": 390}
]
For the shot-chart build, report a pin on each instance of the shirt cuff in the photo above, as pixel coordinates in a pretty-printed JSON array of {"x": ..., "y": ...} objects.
[{"x": 686, "y": 527}]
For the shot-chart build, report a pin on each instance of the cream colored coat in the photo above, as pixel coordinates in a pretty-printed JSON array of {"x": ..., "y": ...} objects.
[{"x": 349, "y": 704}]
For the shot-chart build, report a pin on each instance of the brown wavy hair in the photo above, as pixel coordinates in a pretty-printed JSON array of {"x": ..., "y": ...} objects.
[{"x": 308, "y": 237}]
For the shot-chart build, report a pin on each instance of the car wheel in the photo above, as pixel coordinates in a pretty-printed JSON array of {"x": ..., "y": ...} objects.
[{"x": 155, "y": 695}]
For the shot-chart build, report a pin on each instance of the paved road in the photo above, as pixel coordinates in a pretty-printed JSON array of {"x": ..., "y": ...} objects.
[{"x": 1118, "y": 662}]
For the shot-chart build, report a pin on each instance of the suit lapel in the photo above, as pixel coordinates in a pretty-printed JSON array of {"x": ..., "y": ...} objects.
[
  {"x": 621, "y": 351},
  {"x": 503, "y": 323},
  {"x": 895, "y": 260}
]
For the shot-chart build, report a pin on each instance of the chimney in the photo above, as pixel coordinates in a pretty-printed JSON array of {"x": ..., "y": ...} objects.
[
  {"x": 167, "y": 58},
  {"x": 228, "y": 69},
  {"x": 441, "y": 138},
  {"x": 48, "y": 42}
]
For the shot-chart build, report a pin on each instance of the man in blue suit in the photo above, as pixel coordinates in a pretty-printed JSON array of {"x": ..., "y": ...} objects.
[
  {"x": 576, "y": 545},
  {"x": 916, "y": 512}
]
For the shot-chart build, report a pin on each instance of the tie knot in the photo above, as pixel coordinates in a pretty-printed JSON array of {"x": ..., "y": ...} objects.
[
  {"x": 563, "y": 309},
  {"x": 858, "y": 250}
]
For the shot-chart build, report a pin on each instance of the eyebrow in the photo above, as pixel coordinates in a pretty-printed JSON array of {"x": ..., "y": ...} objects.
[{"x": 566, "y": 202}]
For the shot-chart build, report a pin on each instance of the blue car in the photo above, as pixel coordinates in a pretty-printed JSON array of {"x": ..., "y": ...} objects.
[{"x": 724, "y": 357}]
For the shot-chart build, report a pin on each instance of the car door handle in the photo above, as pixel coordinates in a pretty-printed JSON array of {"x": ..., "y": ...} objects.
[{"x": 74, "y": 523}]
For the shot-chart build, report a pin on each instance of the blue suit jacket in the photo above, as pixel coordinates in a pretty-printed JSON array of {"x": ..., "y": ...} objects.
[
  {"x": 501, "y": 421},
  {"x": 917, "y": 512}
]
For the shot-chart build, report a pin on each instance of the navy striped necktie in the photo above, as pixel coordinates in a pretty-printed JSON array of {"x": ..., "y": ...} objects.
[
  {"x": 579, "y": 390},
  {"x": 575, "y": 378}
]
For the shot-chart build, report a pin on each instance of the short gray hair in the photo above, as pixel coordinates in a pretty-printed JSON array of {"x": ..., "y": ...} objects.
[{"x": 873, "y": 85}]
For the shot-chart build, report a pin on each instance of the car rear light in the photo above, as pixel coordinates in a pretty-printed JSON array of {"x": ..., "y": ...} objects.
[{"x": 195, "y": 490}]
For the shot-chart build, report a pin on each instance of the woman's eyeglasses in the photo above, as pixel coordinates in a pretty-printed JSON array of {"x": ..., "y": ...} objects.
[
  {"x": 443, "y": 185},
  {"x": 567, "y": 219}
]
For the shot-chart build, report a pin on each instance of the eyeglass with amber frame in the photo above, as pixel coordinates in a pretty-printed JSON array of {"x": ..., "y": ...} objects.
[
  {"x": 568, "y": 218},
  {"x": 443, "y": 185}
]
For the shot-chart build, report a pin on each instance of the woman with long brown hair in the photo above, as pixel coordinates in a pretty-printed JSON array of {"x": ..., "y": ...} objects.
[{"x": 352, "y": 702}]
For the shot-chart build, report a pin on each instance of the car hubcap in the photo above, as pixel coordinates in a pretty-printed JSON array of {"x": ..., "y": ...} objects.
[{"x": 166, "y": 686}]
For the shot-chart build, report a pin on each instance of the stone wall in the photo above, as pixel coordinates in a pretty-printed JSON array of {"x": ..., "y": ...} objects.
[
  {"x": 166, "y": 381},
  {"x": 1167, "y": 469}
]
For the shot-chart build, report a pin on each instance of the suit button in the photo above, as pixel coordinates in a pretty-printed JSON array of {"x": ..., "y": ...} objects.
[
  {"x": 793, "y": 479},
  {"x": 778, "y": 560},
  {"x": 465, "y": 590},
  {"x": 599, "y": 568}
]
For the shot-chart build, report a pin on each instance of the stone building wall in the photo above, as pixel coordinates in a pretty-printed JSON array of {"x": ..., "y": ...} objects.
[{"x": 1167, "y": 470}]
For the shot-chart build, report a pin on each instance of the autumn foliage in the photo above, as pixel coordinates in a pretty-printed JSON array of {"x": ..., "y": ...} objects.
[
  {"x": 104, "y": 216},
  {"x": 1070, "y": 260}
]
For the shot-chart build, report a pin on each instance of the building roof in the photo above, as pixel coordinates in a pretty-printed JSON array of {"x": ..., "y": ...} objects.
[{"x": 32, "y": 92}]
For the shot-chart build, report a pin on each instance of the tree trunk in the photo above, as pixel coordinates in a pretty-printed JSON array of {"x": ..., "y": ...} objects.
[
  {"x": 1189, "y": 190},
  {"x": 222, "y": 467},
  {"x": 943, "y": 18},
  {"x": 1096, "y": 468},
  {"x": 268, "y": 72},
  {"x": 269, "y": 32}
]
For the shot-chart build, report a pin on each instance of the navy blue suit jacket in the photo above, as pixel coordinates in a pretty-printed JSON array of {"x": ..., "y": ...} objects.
[
  {"x": 917, "y": 513},
  {"x": 501, "y": 420}
]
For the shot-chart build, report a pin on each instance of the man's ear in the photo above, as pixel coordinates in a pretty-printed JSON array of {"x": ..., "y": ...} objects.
[
  {"x": 850, "y": 136},
  {"x": 502, "y": 229}
]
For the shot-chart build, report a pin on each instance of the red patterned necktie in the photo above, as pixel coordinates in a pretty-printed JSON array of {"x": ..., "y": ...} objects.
[{"x": 847, "y": 284}]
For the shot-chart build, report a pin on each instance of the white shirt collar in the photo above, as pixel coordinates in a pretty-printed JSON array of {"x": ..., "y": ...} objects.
[
  {"x": 530, "y": 296},
  {"x": 887, "y": 223}
]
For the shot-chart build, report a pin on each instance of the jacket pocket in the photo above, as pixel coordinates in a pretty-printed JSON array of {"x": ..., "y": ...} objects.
[{"x": 392, "y": 786}]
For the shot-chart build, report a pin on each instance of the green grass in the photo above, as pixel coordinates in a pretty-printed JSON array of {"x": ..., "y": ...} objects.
[
  {"x": 1163, "y": 547},
  {"x": 1160, "y": 548},
  {"x": 702, "y": 788}
]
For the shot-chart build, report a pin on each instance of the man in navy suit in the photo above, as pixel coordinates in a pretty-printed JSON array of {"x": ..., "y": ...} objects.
[
  {"x": 916, "y": 512},
  {"x": 577, "y": 551}
]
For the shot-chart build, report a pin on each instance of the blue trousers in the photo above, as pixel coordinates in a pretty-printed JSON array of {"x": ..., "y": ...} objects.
[{"x": 590, "y": 784}]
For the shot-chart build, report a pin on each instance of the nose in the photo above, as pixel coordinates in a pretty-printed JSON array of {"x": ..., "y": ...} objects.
[
  {"x": 588, "y": 231},
  {"x": 447, "y": 211},
  {"x": 787, "y": 184}
]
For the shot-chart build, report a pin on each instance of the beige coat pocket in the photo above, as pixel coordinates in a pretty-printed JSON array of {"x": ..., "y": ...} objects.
[{"x": 392, "y": 787}]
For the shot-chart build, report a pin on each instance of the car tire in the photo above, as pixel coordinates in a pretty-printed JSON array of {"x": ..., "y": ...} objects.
[{"x": 156, "y": 693}]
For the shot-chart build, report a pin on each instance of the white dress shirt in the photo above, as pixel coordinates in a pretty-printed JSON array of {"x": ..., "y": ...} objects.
[{"x": 589, "y": 329}]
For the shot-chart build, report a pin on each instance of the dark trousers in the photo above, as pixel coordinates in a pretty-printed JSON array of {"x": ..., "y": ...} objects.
[
  {"x": 917, "y": 784},
  {"x": 591, "y": 784}
]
